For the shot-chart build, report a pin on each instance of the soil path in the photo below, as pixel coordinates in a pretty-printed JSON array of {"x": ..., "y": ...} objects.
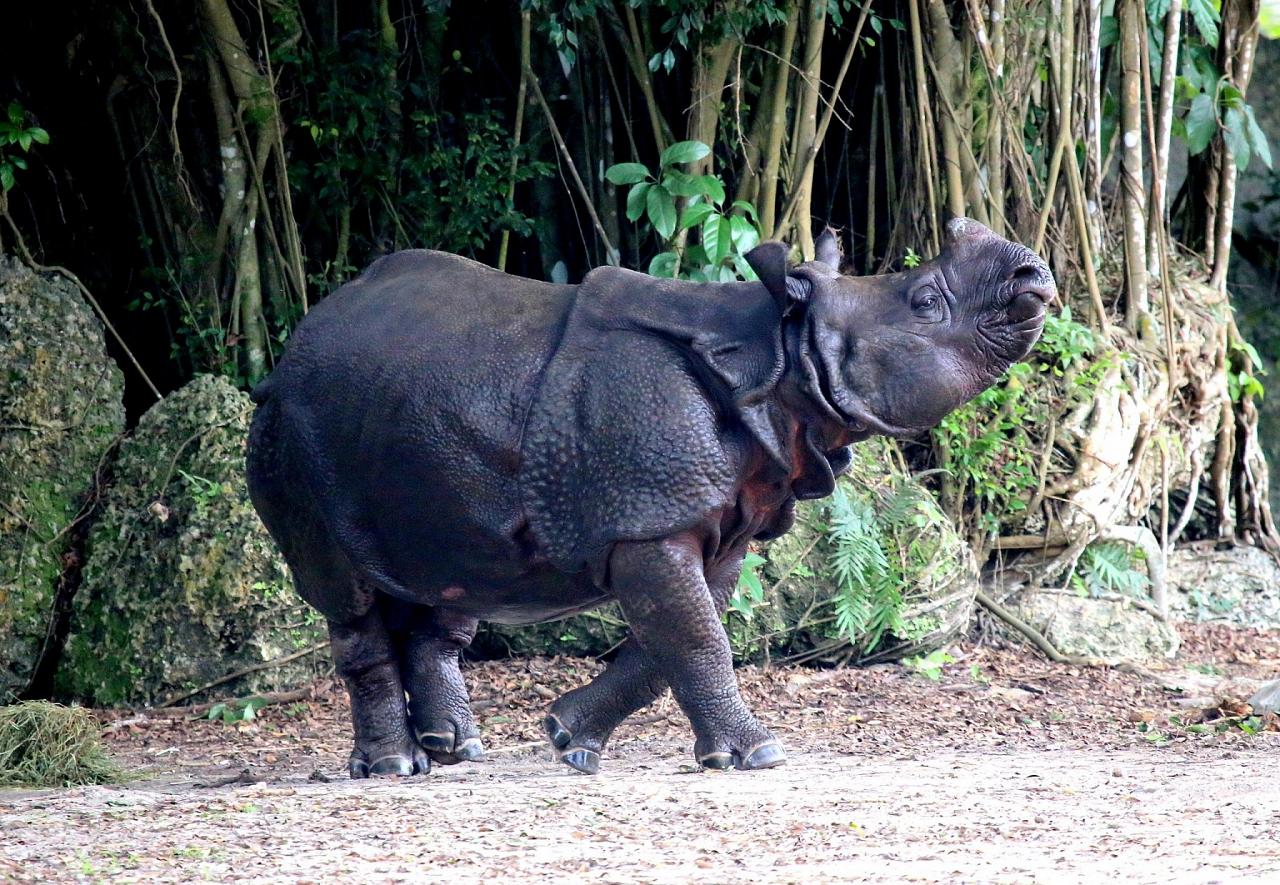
[
  {"x": 1006, "y": 769},
  {"x": 1024, "y": 815}
]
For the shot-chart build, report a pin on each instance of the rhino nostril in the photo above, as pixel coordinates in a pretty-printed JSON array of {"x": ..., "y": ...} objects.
[
  {"x": 1027, "y": 305},
  {"x": 1033, "y": 278}
]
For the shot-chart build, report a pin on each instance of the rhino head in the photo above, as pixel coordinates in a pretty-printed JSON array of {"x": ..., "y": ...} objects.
[{"x": 892, "y": 354}]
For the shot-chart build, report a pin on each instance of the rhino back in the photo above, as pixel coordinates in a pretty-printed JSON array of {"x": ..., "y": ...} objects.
[{"x": 401, "y": 401}]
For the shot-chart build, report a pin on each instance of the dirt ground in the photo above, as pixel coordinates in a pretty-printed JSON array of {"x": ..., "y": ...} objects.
[{"x": 1007, "y": 768}]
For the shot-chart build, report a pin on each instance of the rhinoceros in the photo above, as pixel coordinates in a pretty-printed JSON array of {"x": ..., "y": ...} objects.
[{"x": 442, "y": 444}]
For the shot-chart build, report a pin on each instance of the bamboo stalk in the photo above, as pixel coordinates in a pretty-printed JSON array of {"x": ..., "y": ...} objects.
[
  {"x": 1157, "y": 217},
  {"x": 807, "y": 131},
  {"x": 922, "y": 113},
  {"x": 1238, "y": 43},
  {"x": 1133, "y": 189},
  {"x": 995, "y": 137},
  {"x": 1063, "y": 82},
  {"x": 810, "y": 155},
  {"x": 777, "y": 126},
  {"x": 522, "y": 92},
  {"x": 948, "y": 59},
  {"x": 633, "y": 46}
]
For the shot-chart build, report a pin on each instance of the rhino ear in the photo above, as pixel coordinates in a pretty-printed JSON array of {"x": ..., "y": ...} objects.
[
  {"x": 769, "y": 261},
  {"x": 827, "y": 248}
]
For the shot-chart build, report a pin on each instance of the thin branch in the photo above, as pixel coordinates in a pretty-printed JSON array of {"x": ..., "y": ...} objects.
[
  {"x": 573, "y": 169},
  {"x": 243, "y": 671}
]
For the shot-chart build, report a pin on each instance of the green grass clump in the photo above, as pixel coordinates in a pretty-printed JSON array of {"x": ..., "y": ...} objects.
[{"x": 49, "y": 745}]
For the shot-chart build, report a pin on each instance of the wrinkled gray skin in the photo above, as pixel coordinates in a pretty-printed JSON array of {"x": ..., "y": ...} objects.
[{"x": 443, "y": 443}]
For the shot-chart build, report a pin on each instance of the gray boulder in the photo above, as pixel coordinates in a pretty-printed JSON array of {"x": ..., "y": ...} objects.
[
  {"x": 1267, "y": 698},
  {"x": 1239, "y": 585},
  {"x": 60, "y": 411},
  {"x": 182, "y": 585},
  {"x": 1112, "y": 630}
]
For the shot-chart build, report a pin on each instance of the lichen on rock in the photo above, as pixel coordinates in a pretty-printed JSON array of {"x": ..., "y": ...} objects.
[
  {"x": 182, "y": 584},
  {"x": 61, "y": 408}
]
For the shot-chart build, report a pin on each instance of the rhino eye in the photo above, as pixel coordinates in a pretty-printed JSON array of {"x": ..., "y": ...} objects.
[{"x": 925, "y": 303}]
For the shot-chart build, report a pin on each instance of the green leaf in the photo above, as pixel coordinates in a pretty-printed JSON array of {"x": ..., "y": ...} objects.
[
  {"x": 6, "y": 176},
  {"x": 747, "y": 209},
  {"x": 745, "y": 271},
  {"x": 717, "y": 238},
  {"x": 38, "y": 135},
  {"x": 663, "y": 265},
  {"x": 662, "y": 210},
  {"x": 1258, "y": 138},
  {"x": 24, "y": 140},
  {"x": 1206, "y": 18},
  {"x": 712, "y": 187},
  {"x": 682, "y": 185},
  {"x": 635, "y": 201},
  {"x": 1202, "y": 123},
  {"x": 684, "y": 152},
  {"x": 627, "y": 173},
  {"x": 695, "y": 215},
  {"x": 745, "y": 235},
  {"x": 1237, "y": 138}
]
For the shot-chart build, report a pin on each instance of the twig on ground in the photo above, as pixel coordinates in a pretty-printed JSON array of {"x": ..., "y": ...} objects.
[{"x": 243, "y": 671}]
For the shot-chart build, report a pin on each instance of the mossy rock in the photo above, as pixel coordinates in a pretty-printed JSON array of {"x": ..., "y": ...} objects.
[
  {"x": 876, "y": 572},
  {"x": 61, "y": 408},
  {"x": 182, "y": 584}
]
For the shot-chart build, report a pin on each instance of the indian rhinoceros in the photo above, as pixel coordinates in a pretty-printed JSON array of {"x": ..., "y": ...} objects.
[{"x": 443, "y": 443}]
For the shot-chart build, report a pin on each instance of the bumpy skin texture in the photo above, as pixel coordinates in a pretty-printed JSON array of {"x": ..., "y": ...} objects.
[{"x": 443, "y": 443}]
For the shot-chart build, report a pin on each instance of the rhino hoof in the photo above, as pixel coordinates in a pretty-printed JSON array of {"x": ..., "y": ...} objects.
[
  {"x": 394, "y": 765},
  {"x": 764, "y": 756},
  {"x": 471, "y": 750},
  {"x": 586, "y": 761},
  {"x": 440, "y": 746},
  {"x": 556, "y": 732}
]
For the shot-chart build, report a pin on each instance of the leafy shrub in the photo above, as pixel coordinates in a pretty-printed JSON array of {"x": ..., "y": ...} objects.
[{"x": 724, "y": 236}]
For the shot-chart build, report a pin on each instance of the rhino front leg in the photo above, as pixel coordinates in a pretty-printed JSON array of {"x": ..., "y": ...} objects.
[
  {"x": 664, "y": 593},
  {"x": 581, "y": 721},
  {"x": 365, "y": 658},
  {"x": 439, "y": 707}
]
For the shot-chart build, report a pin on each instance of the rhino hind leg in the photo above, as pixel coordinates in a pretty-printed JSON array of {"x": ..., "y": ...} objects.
[
  {"x": 672, "y": 604},
  {"x": 581, "y": 721},
  {"x": 439, "y": 707},
  {"x": 365, "y": 658}
]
